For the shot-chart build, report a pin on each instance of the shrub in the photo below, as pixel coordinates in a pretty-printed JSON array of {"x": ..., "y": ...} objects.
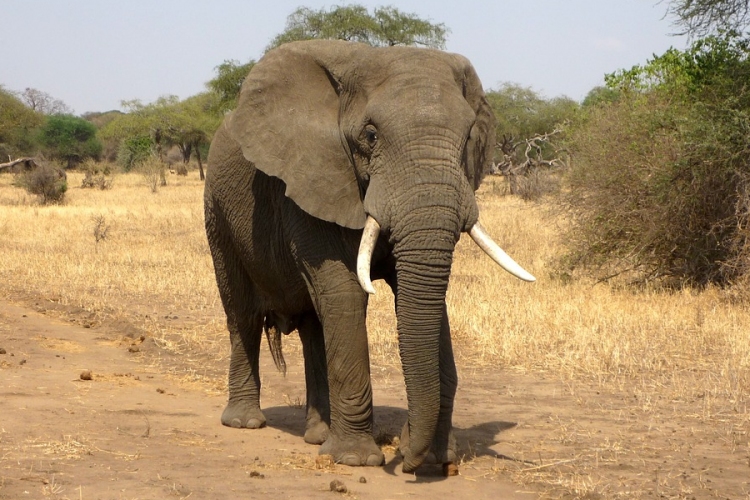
[
  {"x": 47, "y": 182},
  {"x": 153, "y": 171},
  {"x": 659, "y": 185},
  {"x": 133, "y": 151},
  {"x": 97, "y": 175}
]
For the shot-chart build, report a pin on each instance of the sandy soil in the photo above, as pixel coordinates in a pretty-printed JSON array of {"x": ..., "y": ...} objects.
[
  {"x": 138, "y": 430},
  {"x": 133, "y": 431}
]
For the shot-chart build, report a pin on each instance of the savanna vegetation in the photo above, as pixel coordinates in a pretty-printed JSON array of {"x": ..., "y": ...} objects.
[{"x": 631, "y": 207}]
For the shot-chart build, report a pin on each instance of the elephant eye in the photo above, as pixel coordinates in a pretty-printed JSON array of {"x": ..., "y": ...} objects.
[{"x": 371, "y": 134}]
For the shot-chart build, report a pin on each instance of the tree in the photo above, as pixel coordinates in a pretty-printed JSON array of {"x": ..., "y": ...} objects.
[
  {"x": 226, "y": 85},
  {"x": 189, "y": 125},
  {"x": 397, "y": 28},
  {"x": 44, "y": 103},
  {"x": 528, "y": 130},
  {"x": 702, "y": 17},
  {"x": 17, "y": 122},
  {"x": 386, "y": 26},
  {"x": 70, "y": 139}
]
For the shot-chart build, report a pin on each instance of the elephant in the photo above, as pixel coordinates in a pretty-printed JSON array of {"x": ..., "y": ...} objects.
[{"x": 343, "y": 163}]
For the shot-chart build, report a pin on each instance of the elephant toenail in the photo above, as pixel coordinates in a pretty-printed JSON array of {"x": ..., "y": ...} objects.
[
  {"x": 236, "y": 423},
  {"x": 350, "y": 459},
  {"x": 375, "y": 460}
]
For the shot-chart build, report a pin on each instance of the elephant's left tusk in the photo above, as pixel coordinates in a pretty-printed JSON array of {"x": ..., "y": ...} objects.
[
  {"x": 481, "y": 238},
  {"x": 366, "y": 247}
]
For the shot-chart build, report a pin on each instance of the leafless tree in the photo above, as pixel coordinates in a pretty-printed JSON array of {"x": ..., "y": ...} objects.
[
  {"x": 697, "y": 18},
  {"x": 526, "y": 172},
  {"x": 43, "y": 103}
]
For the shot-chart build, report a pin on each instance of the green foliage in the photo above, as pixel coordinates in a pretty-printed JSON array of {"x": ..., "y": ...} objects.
[
  {"x": 188, "y": 124},
  {"x": 70, "y": 139},
  {"x": 17, "y": 123},
  {"x": 386, "y": 26},
  {"x": 227, "y": 83},
  {"x": 660, "y": 178},
  {"x": 47, "y": 182},
  {"x": 599, "y": 96},
  {"x": 133, "y": 151},
  {"x": 522, "y": 113}
]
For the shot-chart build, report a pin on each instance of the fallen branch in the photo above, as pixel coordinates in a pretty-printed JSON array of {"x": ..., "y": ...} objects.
[{"x": 29, "y": 163}]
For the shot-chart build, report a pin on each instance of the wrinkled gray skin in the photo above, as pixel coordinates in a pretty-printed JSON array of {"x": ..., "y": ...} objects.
[{"x": 326, "y": 133}]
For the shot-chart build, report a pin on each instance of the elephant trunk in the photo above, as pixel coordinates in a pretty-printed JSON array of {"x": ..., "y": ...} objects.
[{"x": 423, "y": 262}]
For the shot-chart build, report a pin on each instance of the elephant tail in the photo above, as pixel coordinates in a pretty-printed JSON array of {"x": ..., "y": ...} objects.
[{"x": 273, "y": 334}]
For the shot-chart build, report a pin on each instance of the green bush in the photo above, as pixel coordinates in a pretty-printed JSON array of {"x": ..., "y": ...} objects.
[
  {"x": 133, "y": 151},
  {"x": 659, "y": 185}
]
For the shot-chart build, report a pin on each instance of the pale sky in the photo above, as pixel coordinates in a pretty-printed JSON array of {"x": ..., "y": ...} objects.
[{"x": 92, "y": 54}]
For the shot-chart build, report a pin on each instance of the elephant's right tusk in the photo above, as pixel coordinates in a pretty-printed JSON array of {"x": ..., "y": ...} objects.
[
  {"x": 481, "y": 238},
  {"x": 366, "y": 247}
]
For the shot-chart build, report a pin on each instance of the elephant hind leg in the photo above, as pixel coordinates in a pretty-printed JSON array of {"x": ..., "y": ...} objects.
[
  {"x": 318, "y": 418},
  {"x": 245, "y": 324},
  {"x": 243, "y": 407}
]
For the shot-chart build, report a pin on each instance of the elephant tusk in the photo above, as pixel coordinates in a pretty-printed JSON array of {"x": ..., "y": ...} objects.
[
  {"x": 481, "y": 238},
  {"x": 366, "y": 247}
]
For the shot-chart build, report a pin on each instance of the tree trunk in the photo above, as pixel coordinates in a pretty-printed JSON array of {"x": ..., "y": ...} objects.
[{"x": 200, "y": 163}]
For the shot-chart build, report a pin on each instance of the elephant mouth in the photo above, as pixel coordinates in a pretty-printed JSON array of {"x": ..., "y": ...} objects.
[{"x": 478, "y": 235}]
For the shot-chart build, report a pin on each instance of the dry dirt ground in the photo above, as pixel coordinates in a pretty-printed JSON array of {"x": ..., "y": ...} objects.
[{"x": 136, "y": 431}]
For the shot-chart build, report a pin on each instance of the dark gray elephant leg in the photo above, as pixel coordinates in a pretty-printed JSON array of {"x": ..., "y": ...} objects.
[
  {"x": 243, "y": 407},
  {"x": 341, "y": 305},
  {"x": 318, "y": 417},
  {"x": 245, "y": 325}
]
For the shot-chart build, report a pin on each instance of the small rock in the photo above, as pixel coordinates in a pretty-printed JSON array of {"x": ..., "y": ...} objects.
[
  {"x": 362, "y": 479},
  {"x": 255, "y": 473},
  {"x": 160, "y": 390},
  {"x": 338, "y": 486},
  {"x": 2, "y": 351},
  {"x": 22, "y": 362},
  {"x": 134, "y": 348},
  {"x": 86, "y": 375}
]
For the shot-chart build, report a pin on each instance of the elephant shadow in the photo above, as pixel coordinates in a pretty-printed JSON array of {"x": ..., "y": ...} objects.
[{"x": 471, "y": 442}]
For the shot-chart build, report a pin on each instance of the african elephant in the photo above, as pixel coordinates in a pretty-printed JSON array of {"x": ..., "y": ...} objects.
[{"x": 343, "y": 160}]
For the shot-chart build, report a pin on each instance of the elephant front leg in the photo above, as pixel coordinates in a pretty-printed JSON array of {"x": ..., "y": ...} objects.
[
  {"x": 243, "y": 407},
  {"x": 342, "y": 313},
  {"x": 318, "y": 417}
]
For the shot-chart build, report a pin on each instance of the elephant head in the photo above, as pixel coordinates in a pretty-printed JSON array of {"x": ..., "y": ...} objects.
[{"x": 393, "y": 140}]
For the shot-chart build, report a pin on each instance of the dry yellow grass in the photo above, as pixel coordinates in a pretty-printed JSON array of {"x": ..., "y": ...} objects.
[{"x": 154, "y": 264}]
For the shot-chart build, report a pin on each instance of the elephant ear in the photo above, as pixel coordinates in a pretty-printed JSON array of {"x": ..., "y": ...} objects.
[
  {"x": 286, "y": 123},
  {"x": 480, "y": 146}
]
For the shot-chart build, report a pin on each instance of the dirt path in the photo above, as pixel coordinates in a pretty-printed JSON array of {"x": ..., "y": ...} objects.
[{"x": 133, "y": 431}]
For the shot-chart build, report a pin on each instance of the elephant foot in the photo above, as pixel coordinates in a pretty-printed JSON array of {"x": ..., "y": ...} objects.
[
  {"x": 434, "y": 456},
  {"x": 356, "y": 451},
  {"x": 316, "y": 432},
  {"x": 242, "y": 415},
  {"x": 446, "y": 456}
]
